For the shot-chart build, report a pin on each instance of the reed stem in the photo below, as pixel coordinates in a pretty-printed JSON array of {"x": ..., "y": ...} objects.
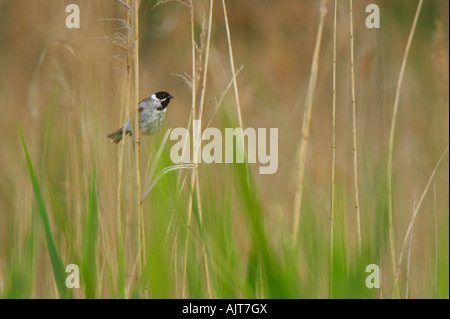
[
  {"x": 355, "y": 157},
  {"x": 392, "y": 133},
  {"x": 303, "y": 148}
]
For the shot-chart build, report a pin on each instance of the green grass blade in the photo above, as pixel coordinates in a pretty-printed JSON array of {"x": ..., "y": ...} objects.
[
  {"x": 121, "y": 266},
  {"x": 89, "y": 264},
  {"x": 55, "y": 258},
  {"x": 279, "y": 279},
  {"x": 19, "y": 281}
]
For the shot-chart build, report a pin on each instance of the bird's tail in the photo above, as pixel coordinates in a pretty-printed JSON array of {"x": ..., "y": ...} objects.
[{"x": 116, "y": 136}]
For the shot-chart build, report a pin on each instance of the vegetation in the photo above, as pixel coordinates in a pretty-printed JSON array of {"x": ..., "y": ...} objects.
[{"x": 139, "y": 226}]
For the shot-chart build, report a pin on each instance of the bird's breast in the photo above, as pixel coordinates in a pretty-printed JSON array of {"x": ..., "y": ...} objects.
[{"x": 151, "y": 120}]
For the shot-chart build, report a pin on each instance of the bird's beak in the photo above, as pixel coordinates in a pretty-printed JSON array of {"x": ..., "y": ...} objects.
[{"x": 170, "y": 97}]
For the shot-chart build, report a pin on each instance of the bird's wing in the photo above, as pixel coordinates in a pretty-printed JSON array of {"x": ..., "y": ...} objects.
[{"x": 141, "y": 105}]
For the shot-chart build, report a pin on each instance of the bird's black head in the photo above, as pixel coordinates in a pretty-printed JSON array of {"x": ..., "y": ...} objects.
[{"x": 164, "y": 97}]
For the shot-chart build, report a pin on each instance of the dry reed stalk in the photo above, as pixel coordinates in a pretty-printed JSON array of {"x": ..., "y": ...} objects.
[
  {"x": 222, "y": 96},
  {"x": 235, "y": 87},
  {"x": 119, "y": 189},
  {"x": 205, "y": 257},
  {"x": 121, "y": 148},
  {"x": 136, "y": 134},
  {"x": 392, "y": 132},
  {"x": 192, "y": 83},
  {"x": 200, "y": 113},
  {"x": 303, "y": 148},
  {"x": 205, "y": 65},
  {"x": 409, "y": 230},
  {"x": 233, "y": 71},
  {"x": 195, "y": 186},
  {"x": 355, "y": 158},
  {"x": 408, "y": 258},
  {"x": 333, "y": 154},
  {"x": 436, "y": 251},
  {"x": 193, "y": 175}
]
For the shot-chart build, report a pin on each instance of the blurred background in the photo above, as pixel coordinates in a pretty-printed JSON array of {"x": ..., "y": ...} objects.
[{"x": 66, "y": 89}]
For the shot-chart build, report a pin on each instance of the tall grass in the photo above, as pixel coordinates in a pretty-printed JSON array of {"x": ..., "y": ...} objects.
[
  {"x": 303, "y": 148},
  {"x": 355, "y": 152},
  {"x": 222, "y": 230},
  {"x": 193, "y": 117},
  {"x": 392, "y": 134},
  {"x": 90, "y": 237},
  {"x": 411, "y": 224},
  {"x": 333, "y": 152},
  {"x": 121, "y": 151},
  {"x": 55, "y": 257}
]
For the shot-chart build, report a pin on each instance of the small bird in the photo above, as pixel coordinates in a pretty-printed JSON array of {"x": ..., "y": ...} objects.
[{"x": 151, "y": 115}]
